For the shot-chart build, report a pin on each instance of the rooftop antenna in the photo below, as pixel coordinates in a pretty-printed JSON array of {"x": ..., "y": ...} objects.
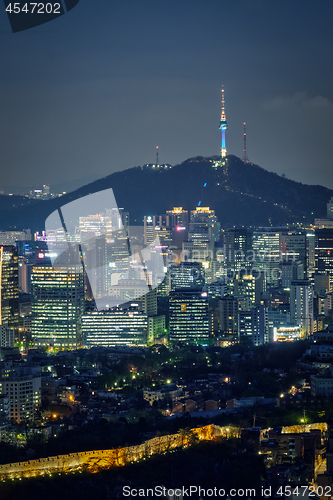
[
  {"x": 157, "y": 155},
  {"x": 245, "y": 157}
]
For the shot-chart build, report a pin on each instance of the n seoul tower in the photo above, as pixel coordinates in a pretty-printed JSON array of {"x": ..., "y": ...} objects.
[{"x": 223, "y": 127}]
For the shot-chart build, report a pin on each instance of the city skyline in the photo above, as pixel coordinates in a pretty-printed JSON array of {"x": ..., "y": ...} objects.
[{"x": 166, "y": 249}]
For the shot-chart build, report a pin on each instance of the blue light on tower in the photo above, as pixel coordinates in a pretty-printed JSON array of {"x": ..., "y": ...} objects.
[{"x": 223, "y": 127}]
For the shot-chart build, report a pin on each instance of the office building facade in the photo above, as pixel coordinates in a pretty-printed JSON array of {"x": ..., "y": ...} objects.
[
  {"x": 228, "y": 317},
  {"x": 9, "y": 286},
  {"x": 324, "y": 252},
  {"x": 22, "y": 385},
  {"x": 253, "y": 325},
  {"x": 189, "y": 316},
  {"x": 57, "y": 306},
  {"x": 301, "y": 305},
  {"x": 115, "y": 327},
  {"x": 186, "y": 275}
]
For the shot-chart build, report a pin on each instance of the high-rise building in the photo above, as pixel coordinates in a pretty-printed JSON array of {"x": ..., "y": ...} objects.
[
  {"x": 115, "y": 327},
  {"x": 324, "y": 304},
  {"x": 301, "y": 305},
  {"x": 310, "y": 252},
  {"x": 293, "y": 247},
  {"x": 28, "y": 253},
  {"x": 324, "y": 252},
  {"x": 106, "y": 261},
  {"x": 189, "y": 316},
  {"x": 253, "y": 325},
  {"x": 186, "y": 275},
  {"x": 290, "y": 270},
  {"x": 9, "y": 286},
  {"x": 156, "y": 328},
  {"x": 4, "y": 411},
  {"x": 149, "y": 302},
  {"x": 228, "y": 316},
  {"x": 95, "y": 226},
  {"x": 236, "y": 243},
  {"x": 7, "y": 337},
  {"x": 22, "y": 385},
  {"x": 216, "y": 290},
  {"x": 203, "y": 225},
  {"x": 321, "y": 283},
  {"x": 57, "y": 306},
  {"x": 266, "y": 253},
  {"x": 118, "y": 253},
  {"x": 177, "y": 217},
  {"x": 245, "y": 325},
  {"x": 245, "y": 291},
  {"x": 165, "y": 235},
  {"x": 260, "y": 324},
  {"x": 100, "y": 275},
  {"x": 119, "y": 219},
  {"x": 149, "y": 231},
  {"x": 204, "y": 231},
  {"x": 11, "y": 237},
  {"x": 323, "y": 223},
  {"x": 128, "y": 290}
]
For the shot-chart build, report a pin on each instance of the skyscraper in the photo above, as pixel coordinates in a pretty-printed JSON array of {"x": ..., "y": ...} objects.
[
  {"x": 253, "y": 325},
  {"x": 189, "y": 316},
  {"x": 236, "y": 245},
  {"x": 310, "y": 251},
  {"x": 301, "y": 305},
  {"x": 177, "y": 217},
  {"x": 9, "y": 286},
  {"x": 290, "y": 270},
  {"x": 204, "y": 230},
  {"x": 266, "y": 249},
  {"x": 228, "y": 317},
  {"x": 186, "y": 275},
  {"x": 245, "y": 291},
  {"x": 149, "y": 231},
  {"x": 57, "y": 306},
  {"x": 95, "y": 226},
  {"x": 324, "y": 252},
  {"x": 293, "y": 247}
]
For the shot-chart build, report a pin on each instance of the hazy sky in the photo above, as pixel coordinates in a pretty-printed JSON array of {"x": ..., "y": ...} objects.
[{"x": 98, "y": 89}]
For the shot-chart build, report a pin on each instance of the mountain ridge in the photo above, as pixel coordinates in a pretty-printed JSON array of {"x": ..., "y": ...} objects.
[{"x": 243, "y": 194}]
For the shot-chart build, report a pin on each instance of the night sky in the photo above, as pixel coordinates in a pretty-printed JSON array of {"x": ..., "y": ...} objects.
[{"x": 99, "y": 88}]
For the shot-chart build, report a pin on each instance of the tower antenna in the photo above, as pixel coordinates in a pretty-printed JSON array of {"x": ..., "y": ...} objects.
[
  {"x": 245, "y": 157},
  {"x": 157, "y": 156},
  {"x": 223, "y": 127}
]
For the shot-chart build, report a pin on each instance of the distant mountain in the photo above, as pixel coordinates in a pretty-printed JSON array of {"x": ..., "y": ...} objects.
[
  {"x": 65, "y": 185},
  {"x": 241, "y": 195}
]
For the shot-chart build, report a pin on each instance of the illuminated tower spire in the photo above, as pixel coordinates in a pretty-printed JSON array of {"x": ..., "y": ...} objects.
[
  {"x": 245, "y": 157},
  {"x": 223, "y": 127}
]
